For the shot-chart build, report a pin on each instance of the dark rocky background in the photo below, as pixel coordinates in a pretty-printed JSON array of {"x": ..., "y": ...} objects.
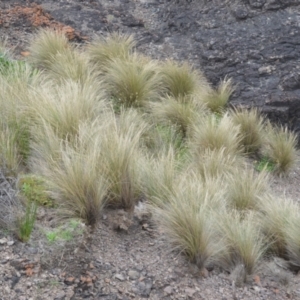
[{"x": 256, "y": 42}]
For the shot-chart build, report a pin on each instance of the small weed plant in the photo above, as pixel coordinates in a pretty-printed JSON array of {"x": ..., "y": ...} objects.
[{"x": 25, "y": 222}]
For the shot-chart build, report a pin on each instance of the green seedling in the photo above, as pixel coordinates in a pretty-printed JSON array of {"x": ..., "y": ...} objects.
[
  {"x": 64, "y": 234},
  {"x": 265, "y": 164},
  {"x": 25, "y": 223},
  {"x": 33, "y": 190}
]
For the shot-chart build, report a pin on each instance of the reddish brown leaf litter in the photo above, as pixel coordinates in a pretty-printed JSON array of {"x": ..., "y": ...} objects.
[{"x": 35, "y": 16}]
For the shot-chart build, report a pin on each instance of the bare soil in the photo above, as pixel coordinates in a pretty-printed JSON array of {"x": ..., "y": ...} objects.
[{"x": 125, "y": 257}]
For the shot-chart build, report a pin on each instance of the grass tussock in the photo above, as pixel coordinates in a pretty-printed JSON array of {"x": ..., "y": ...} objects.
[
  {"x": 281, "y": 148},
  {"x": 216, "y": 100},
  {"x": 120, "y": 152},
  {"x": 293, "y": 240},
  {"x": 276, "y": 221},
  {"x": 10, "y": 158},
  {"x": 159, "y": 137},
  {"x": 251, "y": 127},
  {"x": 115, "y": 46},
  {"x": 133, "y": 82},
  {"x": 246, "y": 188},
  {"x": 179, "y": 112},
  {"x": 75, "y": 182},
  {"x": 65, "y": 107},
  {"x": 46, "y": 45},
  {"x": 216, "y": 163},
  {"x": 243, "y": 240},
  {"x": 214, "y": 133},
  {"x": 71, "y": 65},
  {"x": 188, "y": 224},
  {"x": 180, "y": 80},
  {"x": 159, "y": 177}
]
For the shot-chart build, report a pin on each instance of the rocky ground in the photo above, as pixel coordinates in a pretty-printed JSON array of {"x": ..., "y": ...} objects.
[{"x": 257, "y": 43}]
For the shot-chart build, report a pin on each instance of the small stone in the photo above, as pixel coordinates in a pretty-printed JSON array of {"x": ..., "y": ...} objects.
[
  {"x": 190, "y": 292},
  {"x": 168, "y": 290},
  {"x": 256, "y": 289},
  {"x": 119, "y": 277},
  {"x": 61, "y": 295},
  {"x": 107, "y": 280},
  {"x": 10, "y": 243},
  {"x": 3, "y": 241},
  {"x": 133, "y": 274}
]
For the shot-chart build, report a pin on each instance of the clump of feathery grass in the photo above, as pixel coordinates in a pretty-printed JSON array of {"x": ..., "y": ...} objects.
[
  {"x": 244, "y": 242},
  {"x": 188, "y": 224},
  {"x": 280, "y": 147},
  {"x": 216, "y": 100},
  {"x": 120, "y": 151},
  {"x": 251, "y": 128},
  {"x": 66, "y": 106},
  {"x": 246, "y": 187},
  {"x": 71, "y": 65},
  {"x": 179, "y": 112},
  {"x": 180, "y": 80},
  {"x": 115, "y": 46},
  {"x": 213, "y": 163},
  {"x": 46, "y": 45},
  {"x": 159, "y": 176},
  {"x": 75, "y": 180},
  {"x": 216, "y": 133},
  {"x": 133, "y": 82},
  {"x": 277, "y": 216},
  {"x": 293, "y": 240}
]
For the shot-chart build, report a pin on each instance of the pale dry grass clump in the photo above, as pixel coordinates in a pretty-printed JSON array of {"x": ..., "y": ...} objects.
[
  {"x": 213, "y": 163},
  {"x": 293, "y": 240},
  {"x": 187, "y": 222},
  {"x": 159, "y": 176},
  {"x": 15, "y": 117},
  {"x": 280, "y": 147},
  {"x": 244, "y": 242},
  {"x": 179, "y": 112},
  {"x": 216, "y": 100},
  {"x": 10, "y": 152},
  {"x": 66, "y": 106},
  {"x": 120, "y": 152},
  {"x": 72, "y": 171},
  {"x": 77, "y": 185},
  {"x": 180, "y": 80},
  {"x": 71, "y": 65},
  {"x": 214, "y": 133},
  {"x": 115, "y": 46},
  {"x": 159, "y": 137},
  {"x": 276, "y": 220},
  {"x": 246, "y": 188},
  {"x": 46, "y": 45},
  {"x": 251, "y": 127},
  {"x": 133, "y": 82}
]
